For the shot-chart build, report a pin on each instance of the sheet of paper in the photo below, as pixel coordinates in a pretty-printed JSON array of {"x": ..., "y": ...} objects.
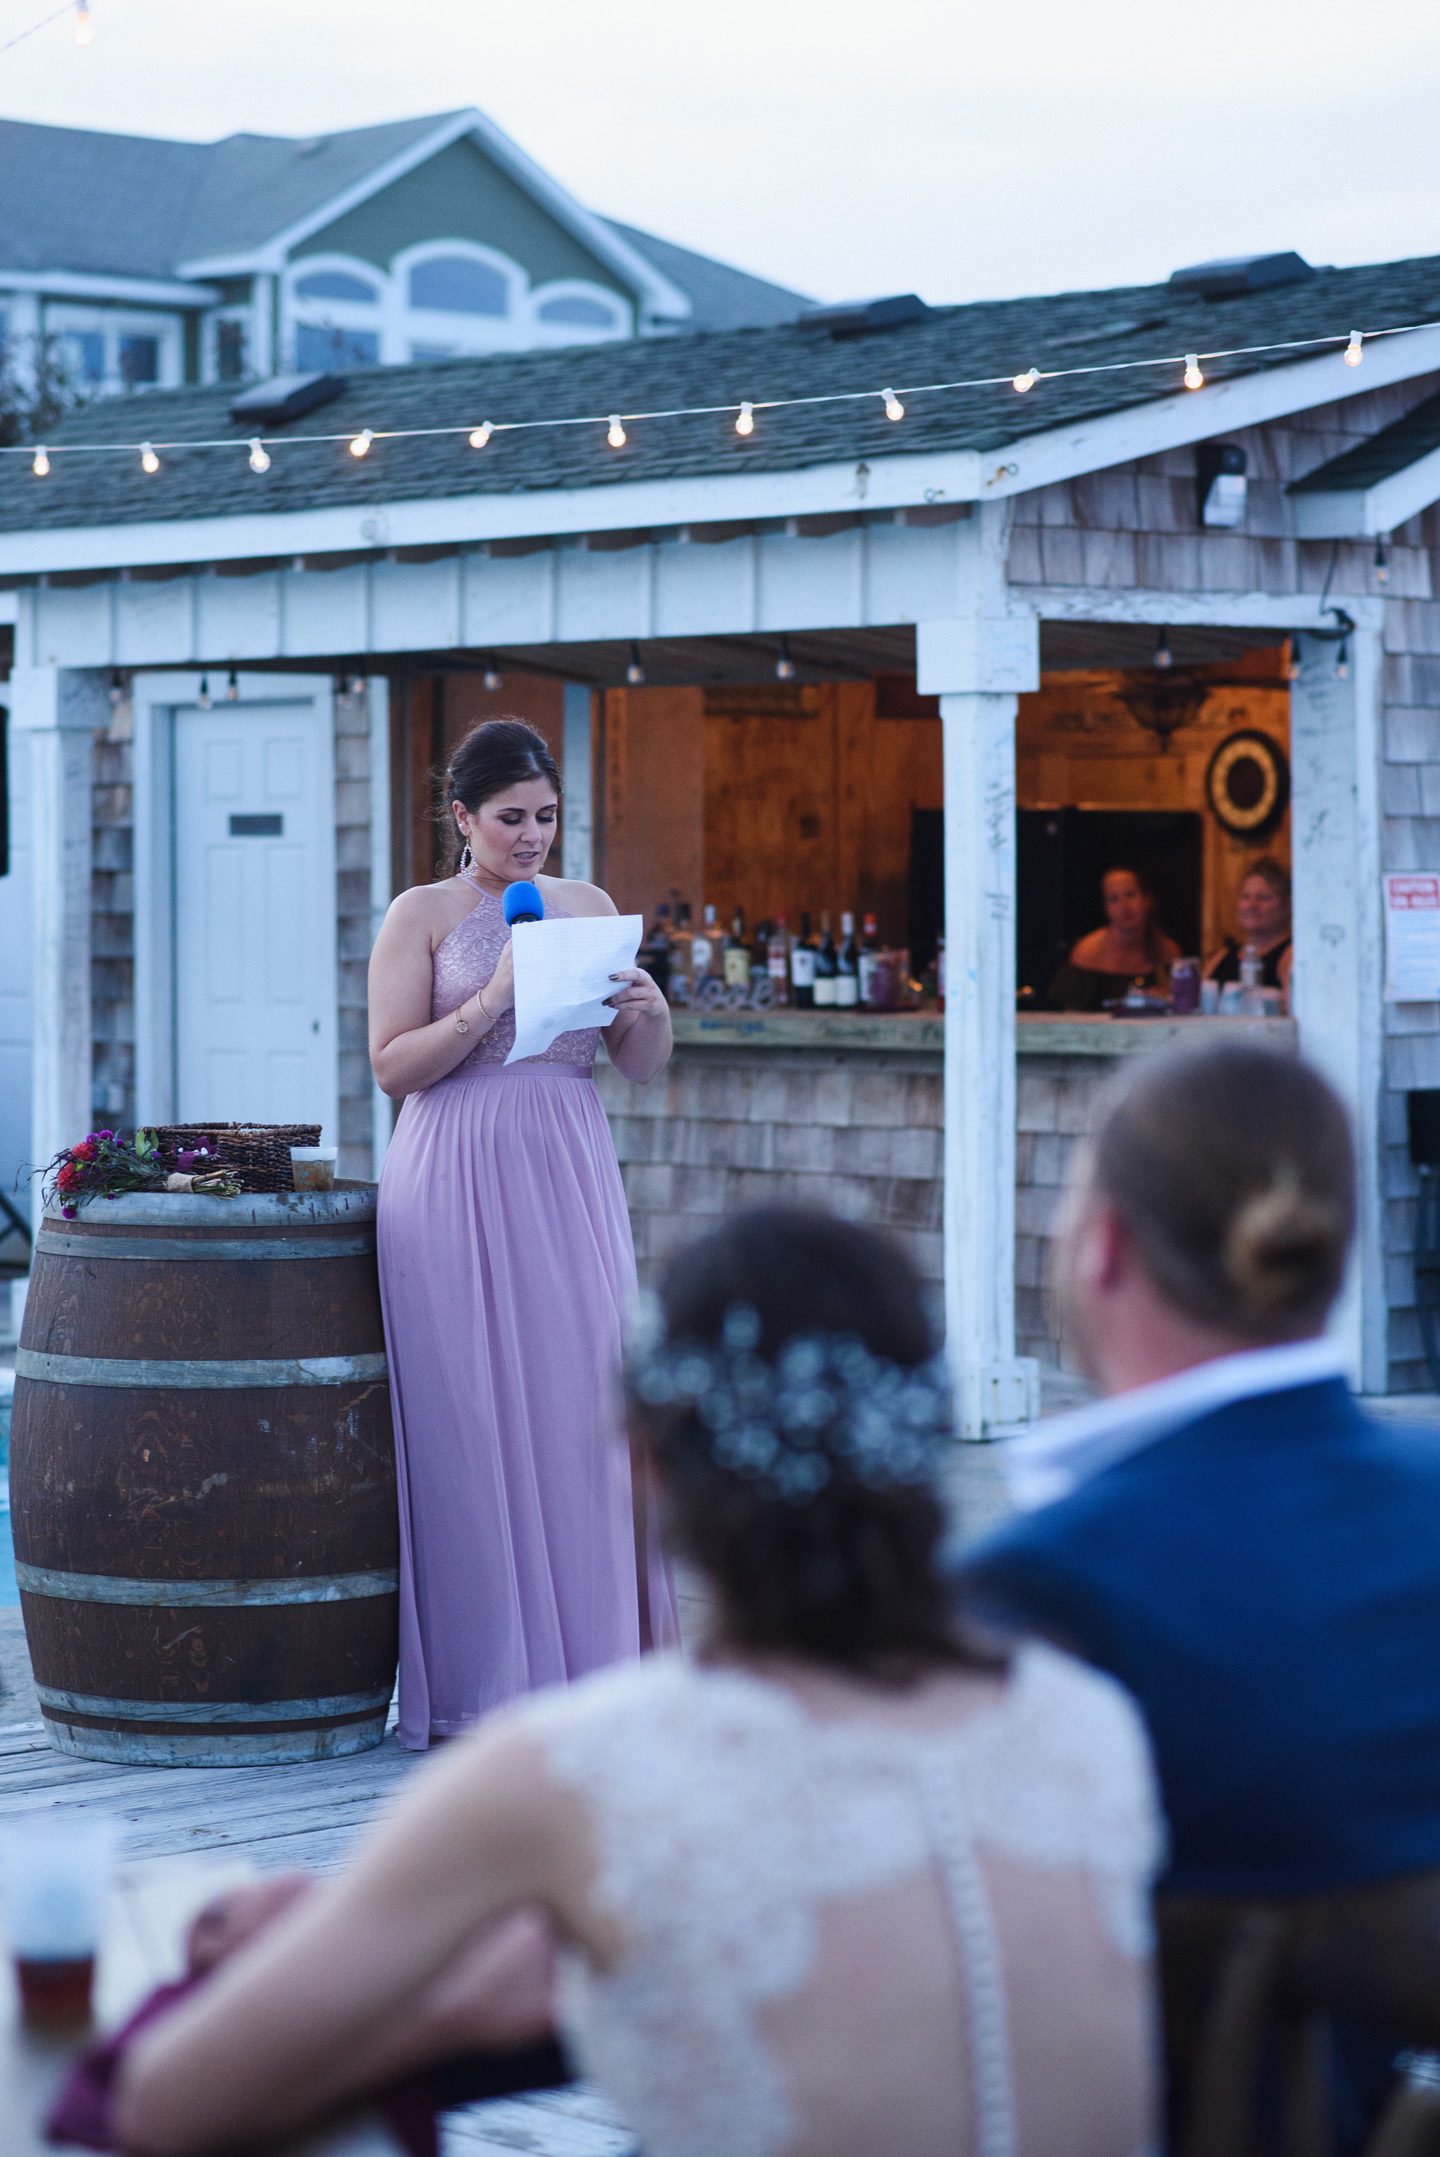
[
  {"x": 562, "y": 975},
  {"x": 1412, "y": 939}
]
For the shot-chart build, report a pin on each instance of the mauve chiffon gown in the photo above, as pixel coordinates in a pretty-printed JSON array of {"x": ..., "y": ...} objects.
[{"x": 506, "y": 1265}]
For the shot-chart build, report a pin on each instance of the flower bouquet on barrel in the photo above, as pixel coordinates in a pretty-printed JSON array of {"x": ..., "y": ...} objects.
[{"x": 105, "y": 1165}]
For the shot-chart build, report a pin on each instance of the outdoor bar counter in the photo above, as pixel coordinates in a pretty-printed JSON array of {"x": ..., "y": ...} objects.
[{"x": 844, "y": 1110}]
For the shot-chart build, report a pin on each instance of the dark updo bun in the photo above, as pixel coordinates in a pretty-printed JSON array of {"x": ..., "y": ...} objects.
[
  {"x": 497, "y": 754},
  {"x": 1233, "y": 1168},
  {"x": 850, "y": 1576}
]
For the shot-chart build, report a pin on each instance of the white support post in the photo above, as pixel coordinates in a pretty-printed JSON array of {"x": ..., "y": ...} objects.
[
  {"x": 60, "y": 710},
  {"x": 382, "y": 879},
  {"x": 1338, "y": 975},
  {"x": 977, "y": 663},
  {"x": 577, "y": 845}
]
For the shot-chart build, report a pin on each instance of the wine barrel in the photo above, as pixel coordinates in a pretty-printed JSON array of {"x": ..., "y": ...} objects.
[{"x": 202, "y": 1479}]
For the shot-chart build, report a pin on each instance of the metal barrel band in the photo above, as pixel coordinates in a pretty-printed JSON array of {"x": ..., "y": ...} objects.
[
  {"x": 53, "y": 1243},
  {"x": 204, "y": 1714},
  {"x": 142, "y": 1375},
  {"x": 203, "y": 1748},
  {"x": 203, "y": 1594}
]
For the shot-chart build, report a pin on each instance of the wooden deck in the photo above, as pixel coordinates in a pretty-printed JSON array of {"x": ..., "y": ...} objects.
[{"x": 274, "y": 1817}]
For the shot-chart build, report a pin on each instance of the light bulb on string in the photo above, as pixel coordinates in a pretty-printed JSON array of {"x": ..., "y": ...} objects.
[
  {"x": 149, "y": 462},
  {"x": 1382, "y": 560},
  {"x": 1342, "y": 660},
  {"x": 492, "y": 678},
  {"x": 1292, "y": 663},
  {"x": 117, "y": 689},
  {"x": 205, "y": 700},
  {"x": 616, "y": 435},
  {"x": 1026, "y": 380},
  {"x": 259, "y": 456},
  {"x": 1194, "y": 379},
  {"x": 40, "y": 463},
  {"x": 634, "y": 670},
  {"x": 356, "y": 686},
  {"x": 745, "y": 418},
  {"x": 1355, "y": 350},
  {"x": 1164, "y": 657},
  {"x": 84, "y": 27},
  {"x": 893, "y": 407},
  {"x": 232, "y": 687},
  {"x": 480, "y": 435},
  {"x": 360, "y": 443},
  {"x": 784, "y": 665}
]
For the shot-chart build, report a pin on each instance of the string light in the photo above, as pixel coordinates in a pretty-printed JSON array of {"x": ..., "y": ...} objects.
[
  {"x": 84, "y": 27},
  {"x": 40, "y": 464},
  {"x": 784, "y": 665},
  {"x": 1342, "y": 660},
  {"x": 259, "y": 457},
  {"x": 1026, "y": 380},
  {"x": 1164, "y": 657},
  {"x": 480, "y": 435},
  {"x": 634, "y": 671},
  {"x": 745, "y": 419},
  {"x": 1354, "y": 351},
  {"x": 492, "y": 677},
  {"x": 117, "y": 689},
  {"x": 893, "y": 407},
  {"x": 616, "y": 436},
  {"x": 205, "y": 700},
  {"x": 360, "y": 443},
  {"x": 1292, "y": 664},
  {"x": 232, "y": 687},
  {"x": 1194, "y": 379},
  {"x": 1382, "y": 561},
  {"x": 149, "y": 462}
]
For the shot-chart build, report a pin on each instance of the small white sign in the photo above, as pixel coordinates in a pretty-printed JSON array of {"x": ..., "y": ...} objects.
[{"x": 1412, "y": 938}]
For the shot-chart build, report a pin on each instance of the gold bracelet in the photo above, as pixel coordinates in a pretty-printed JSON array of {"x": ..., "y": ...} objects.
[{"x": 462, "y": 1025}]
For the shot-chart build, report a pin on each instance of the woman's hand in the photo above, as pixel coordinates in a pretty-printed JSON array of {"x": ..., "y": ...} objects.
[
  {"x": 499, "y": 990},
  {"x": 639, "y": 997}
]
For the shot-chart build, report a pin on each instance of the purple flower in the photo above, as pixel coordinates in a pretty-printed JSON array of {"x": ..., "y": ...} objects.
[
  {"x": 67, "y": 1213},
  {"x": 189, "y": 1158}
]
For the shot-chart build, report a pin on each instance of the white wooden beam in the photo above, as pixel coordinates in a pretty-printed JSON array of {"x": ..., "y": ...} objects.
[
  {"x": 382, "y": 878},
  {"x": 1366, "y": 512},
  {"x": 1280, "y": 612},
  {"x": 1335, "y": 844},
  {"x": 577, "y": 838},
  {"x": 60, "y": 710}
]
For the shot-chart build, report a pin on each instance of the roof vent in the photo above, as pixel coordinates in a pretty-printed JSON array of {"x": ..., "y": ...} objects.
[
  {"x": 285, "y": 397},
  {"x": 1238, "y": 274},
  {"x": 858, "y": 318}
]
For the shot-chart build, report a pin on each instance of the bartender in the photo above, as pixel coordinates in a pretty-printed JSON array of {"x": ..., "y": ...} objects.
[
  {"x": 1262, "y": 915},
  {"x": 1130, "y": 951}
]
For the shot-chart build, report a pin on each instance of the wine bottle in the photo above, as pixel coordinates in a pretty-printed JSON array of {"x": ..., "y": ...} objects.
[
  {"x": 871, "y": 966},
  {"x": 825, "y": 968},
  {"x": 737, "y": 953},
  {"x": 802, "y": 968},
  {"x": 777, "y": 962},
  {"x": 703, "y": 948},
  {"x": 847, "y": 967}
]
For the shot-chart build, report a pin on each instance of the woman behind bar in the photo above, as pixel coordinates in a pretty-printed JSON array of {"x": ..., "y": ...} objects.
[
  {"x": 1130, "y": 951},
  {"x": 505, "y": 1264},
  {"x": 1262, "y": 913},
  {"x": 843, "y": 1885}
]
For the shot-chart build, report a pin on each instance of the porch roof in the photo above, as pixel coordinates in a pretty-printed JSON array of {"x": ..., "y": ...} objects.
[{"x": 783, "y": 360}]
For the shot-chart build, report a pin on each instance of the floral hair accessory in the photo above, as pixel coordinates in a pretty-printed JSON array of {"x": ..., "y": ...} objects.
[{"x": 824, "y": 1402}]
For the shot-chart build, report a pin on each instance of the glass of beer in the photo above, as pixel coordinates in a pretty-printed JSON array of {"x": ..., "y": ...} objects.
[
  {"x": 312, "y": 1168},
  {"x": 56, "y": 1872}
]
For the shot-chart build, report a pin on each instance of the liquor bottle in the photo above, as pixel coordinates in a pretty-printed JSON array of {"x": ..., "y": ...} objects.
[
  {"x": 869, "y": 964},
  {"x": 654, "y": 953},
  {"x": 847, "y": 967},
  {"x": 940, "y": 974},
  {"x": 703, "y": 949},
  {"x": 682, "y": 937},
  {"x": 825, "y": 968},
  {"x": 737, "y": 953},
  {"x": 802, "y": 968},
  {"x": 777, "y": 962}
]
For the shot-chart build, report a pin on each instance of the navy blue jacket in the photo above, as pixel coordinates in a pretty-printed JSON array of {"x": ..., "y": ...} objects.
[{"x": 1266, "y": 1582}]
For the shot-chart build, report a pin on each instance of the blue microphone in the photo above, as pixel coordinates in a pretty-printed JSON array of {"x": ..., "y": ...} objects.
[{"x": 522, "y": 902}]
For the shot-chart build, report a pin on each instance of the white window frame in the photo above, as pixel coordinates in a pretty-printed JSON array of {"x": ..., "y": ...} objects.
[
  {"x": 464, "y": 335},
  {"x": 576, "y": 333},
  {"x": 340, "y": 315},
  {"x": 242, "y": 312},
  {"x": 66, "y": 317}
]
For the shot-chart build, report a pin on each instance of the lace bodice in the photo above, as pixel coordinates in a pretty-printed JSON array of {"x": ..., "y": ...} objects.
[
  {"x": 843, "y": 1930},
  {"x": 465, "y": 961}
]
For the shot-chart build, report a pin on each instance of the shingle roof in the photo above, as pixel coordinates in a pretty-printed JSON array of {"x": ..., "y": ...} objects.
[
  {"x": 721, "y": 298},
  {"x": 991, "y": 337},
  {"x": 1390, "y": 451}
]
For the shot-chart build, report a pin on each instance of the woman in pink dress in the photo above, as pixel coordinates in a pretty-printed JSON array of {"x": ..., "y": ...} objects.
[{"x": 506, "y": 1264}]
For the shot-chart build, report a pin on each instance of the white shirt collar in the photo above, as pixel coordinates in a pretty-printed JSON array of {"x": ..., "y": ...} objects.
[{"x": 1048, "y": 1462}]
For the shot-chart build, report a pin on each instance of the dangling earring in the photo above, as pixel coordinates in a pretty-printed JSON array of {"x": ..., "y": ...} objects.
[{"x": 466, "y": 858}]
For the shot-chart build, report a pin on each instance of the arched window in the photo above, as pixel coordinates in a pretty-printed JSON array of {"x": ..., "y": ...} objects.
[
  {"x": 335, "y": 285},
  {"x": 576, "y": 310},
  {"x": 459, "y": 285}
]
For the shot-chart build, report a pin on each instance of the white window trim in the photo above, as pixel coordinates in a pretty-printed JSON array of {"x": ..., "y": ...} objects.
[
  {"x": 465, "y": 335},
  {"x": 243, "y": 312},
  {"x": 298, "y": 312},
  {"x": 113, "y": 323},
  {"x": 575, "y": 333}
]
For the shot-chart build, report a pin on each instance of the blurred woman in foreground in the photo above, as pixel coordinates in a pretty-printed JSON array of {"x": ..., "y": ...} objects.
[{"x": 843, "y": 1885}]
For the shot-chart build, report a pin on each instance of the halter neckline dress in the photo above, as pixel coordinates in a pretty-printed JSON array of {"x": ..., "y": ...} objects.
[{"x": 506, "y": 1267}]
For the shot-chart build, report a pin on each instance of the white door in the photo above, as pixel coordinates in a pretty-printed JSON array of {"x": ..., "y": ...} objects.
[{"x": 254, "y": 980}]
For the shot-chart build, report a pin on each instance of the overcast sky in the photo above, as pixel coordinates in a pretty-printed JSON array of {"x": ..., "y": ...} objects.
[{"x": 959, "y": 150}]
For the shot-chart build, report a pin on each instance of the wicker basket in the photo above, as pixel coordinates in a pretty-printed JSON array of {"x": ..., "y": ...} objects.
[{"x": 259, "y": 1153}]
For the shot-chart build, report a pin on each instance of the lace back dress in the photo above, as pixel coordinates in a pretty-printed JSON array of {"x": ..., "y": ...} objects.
[
  {"x": 506, "y": 1264},
  {"x": 861, "y": 1936}
]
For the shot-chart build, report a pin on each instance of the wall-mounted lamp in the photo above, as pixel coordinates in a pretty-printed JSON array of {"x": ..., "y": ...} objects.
[{"x": 1220, "y": 484}]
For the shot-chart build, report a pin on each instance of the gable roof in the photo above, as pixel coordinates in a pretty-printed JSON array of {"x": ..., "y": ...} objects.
[
  {"x": 996, "y": 337},
  {"x": 721, "y": 298}
]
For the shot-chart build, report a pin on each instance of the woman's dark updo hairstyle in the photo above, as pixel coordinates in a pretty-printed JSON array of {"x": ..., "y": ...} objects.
[
  {"x": 1234, "y": 1171},
  {"x": 497, "y": 754},
  {"x": 849, "y": 1577}
]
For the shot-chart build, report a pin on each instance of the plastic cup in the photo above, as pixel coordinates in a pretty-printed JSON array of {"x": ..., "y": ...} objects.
[
  {"x": 56, "y": 1873},
  {"x": 312, "y": 1168}
]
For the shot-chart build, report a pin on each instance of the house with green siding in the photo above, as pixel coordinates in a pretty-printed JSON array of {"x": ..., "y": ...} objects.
[{"x": 136, "y": 263}]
